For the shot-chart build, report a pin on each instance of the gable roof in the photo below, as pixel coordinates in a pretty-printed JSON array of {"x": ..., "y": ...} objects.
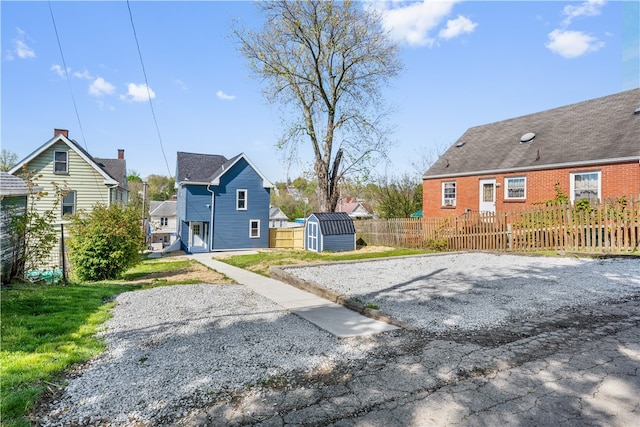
[
  {"x": 117, "y": 167},
  {"x": 332, "y": 223},
  {"x": 355, "y": 208},
  {"x": 207, "y": 169},
  {"x": 276, "y": 213},
  {"x": 13, "y": 186},
  {"x": 163, "y": 208},
  {"x": 597, "y": 131}
]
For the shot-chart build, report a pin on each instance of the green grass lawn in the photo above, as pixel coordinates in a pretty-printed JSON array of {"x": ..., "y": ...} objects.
[
  {"x": 262, "y": 261},
  {"x": 46, "y": 329}
]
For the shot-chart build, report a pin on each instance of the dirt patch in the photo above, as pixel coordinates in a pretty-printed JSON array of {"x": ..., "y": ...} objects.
[{"x": 194, "y": 273}]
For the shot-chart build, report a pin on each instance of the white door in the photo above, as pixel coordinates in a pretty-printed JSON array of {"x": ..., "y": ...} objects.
[
  {"x": 487, "y": 195},
  {"x": 197, "y": 240},
  {"x": 312, "y": 236}
]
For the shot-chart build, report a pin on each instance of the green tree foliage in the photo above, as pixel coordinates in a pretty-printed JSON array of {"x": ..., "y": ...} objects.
[
  {"x": 32, "y": 235},
  {"x": 133, "y": 176},
  {"x": 301, "y": 203},
  {"x": 326, "y": 63},
  {"x": 105, "y": 242},
  {"x": 8, "y": 160},
  {"x": 399, "y": 198},
  {"x": 160, "y": 187}
]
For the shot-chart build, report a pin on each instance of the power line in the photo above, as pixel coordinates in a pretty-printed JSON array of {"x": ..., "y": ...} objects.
[{"x": 146, "y": 82}]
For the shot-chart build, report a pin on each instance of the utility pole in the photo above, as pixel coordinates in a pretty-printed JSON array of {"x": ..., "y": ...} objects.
[{"x": 144, "y": 210}]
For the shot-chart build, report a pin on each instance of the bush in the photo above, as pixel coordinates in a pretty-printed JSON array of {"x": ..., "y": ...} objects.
[{"x": 105, "y": 242}]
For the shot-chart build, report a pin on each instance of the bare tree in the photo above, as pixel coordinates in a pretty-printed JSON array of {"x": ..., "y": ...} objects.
[{"x": 326, "y": 63}]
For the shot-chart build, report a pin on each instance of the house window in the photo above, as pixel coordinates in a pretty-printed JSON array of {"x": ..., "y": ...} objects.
[
  {"x": 254, "y": 228},
  {"x": 69, "y": 203},
  {"x": 585, "y": 185},
  {"x": 61, "y": 162},
  {"x": 241, "y": 200},
  {"x": 515, "y": 188},
  {"x": 449, "y": 193},
  {"x": 164, "y": 221}
]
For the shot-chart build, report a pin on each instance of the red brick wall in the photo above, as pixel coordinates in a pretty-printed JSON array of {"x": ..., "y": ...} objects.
[{"x": 616, "y": 180}]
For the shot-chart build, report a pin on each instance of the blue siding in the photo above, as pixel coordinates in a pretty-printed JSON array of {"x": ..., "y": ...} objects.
[
  {"x": 231, "y": 226},
  {"x": 198, "y": 202},
  {"x": 339, "y": 242}
]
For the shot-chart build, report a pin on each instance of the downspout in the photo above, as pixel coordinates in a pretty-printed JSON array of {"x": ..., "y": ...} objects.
[{"x": 211, "y": 222}]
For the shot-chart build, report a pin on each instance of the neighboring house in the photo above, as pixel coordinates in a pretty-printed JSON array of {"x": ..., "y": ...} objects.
[
  {"x": 163, "y": 223},
  {"x": 89, "y": 180},
  {"x": 222, "y": 203},
  {"x": 590, "y": 150},
  {"x": 355, "y": 209},
  {"x": 330, "y": 231},
  {"x": 14, "y": 194},
  {"x": 277, "y": 218}
]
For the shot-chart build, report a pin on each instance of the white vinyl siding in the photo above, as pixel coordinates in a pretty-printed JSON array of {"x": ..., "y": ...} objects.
[
  {"x": 515, "y": 188},
  {"x": 449, "y": 193}
]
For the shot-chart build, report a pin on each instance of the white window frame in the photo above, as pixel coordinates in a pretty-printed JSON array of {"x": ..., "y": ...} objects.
[
  {"x": 164, "y": 221},
  {"x": 508, "y": 180},
  {"x": 65, "y": 162},
  {"x": 73, "y": 204},
  {"x": 245, "y": 199},
  {"x": 448, "y": 201},
  {"x": 251, "y": 228},
  {"x": 572, "y": 183}
]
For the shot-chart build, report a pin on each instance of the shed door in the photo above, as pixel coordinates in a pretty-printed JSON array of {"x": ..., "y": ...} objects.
[
  {"x": 487, "y": 195},
  {"x": 312, "y": 236}
]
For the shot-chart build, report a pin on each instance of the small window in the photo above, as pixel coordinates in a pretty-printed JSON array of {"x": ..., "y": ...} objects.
[
  {"x": 254, "y": 228},
  {"x": 61, "y": 162},
  {"x": 241, "y": 200},
  {"x": 164, "y": 221},
  {"x": 515, "y": 188},
  {"x": 448, "y": 193},
  {"x": 585, "y": 185},
  {"x": 69, "y": 203}
]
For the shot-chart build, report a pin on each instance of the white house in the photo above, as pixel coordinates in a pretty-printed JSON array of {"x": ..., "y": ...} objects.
[{"x": 163, "y": 223}]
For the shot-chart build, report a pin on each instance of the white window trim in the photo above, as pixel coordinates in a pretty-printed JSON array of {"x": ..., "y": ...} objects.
[
  {"x": 246, "y": 199},
  {"x": 456, "y": 193},
  {"x": 66, "y": 163},
  {"x": 73, "y": 205},
  {"x": 572, "y": 184},
  {"x": 506, "y": 188},
  {"x": 251, "y": 222}
]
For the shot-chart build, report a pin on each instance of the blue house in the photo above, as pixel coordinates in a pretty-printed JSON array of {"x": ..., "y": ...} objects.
[
  {"x": 222, "y": 203},
  {"x": 330, "y": 231}
]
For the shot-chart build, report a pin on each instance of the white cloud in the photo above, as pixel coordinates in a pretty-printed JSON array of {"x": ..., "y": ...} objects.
[
  {"x": 58, "y": 70},
  {"x": 588, "y": 8},
  {"x": 83, "y": 75},
  {"x": 101, "y": 87},
  {"x": 138, "y": 93},
  {"x": 182, "y": 85},
  {"x": 20, "y": 47},
  {"x": 220, "y": 94},
  {"x": 412, "y": 22},
  {"x": 456, "y": 27},
  {"x": 572, "y": 44}
]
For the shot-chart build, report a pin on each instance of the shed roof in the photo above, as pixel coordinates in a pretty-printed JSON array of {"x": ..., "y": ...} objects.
[
  {"x": 333, "y": 223},
  {"x": 597, "y": 131},
  {"x": 13, "y": 186}
]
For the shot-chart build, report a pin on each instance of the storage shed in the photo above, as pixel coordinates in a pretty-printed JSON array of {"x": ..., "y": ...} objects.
[{"x": 330, "y": 231}]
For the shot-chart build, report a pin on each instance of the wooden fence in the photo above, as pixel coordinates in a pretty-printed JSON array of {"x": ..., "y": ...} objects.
[
  {"x": 286, "y": 238},
  {"x": 608, "y": 227}
]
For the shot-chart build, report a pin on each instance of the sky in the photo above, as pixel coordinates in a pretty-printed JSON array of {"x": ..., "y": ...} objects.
[{"x": 183, "y": 85}]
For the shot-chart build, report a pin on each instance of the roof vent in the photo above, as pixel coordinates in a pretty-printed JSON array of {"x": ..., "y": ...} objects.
[
  {"x": 459, "y": 144},
  {"x": 527, "y": 137},
  {"x": 637, "y": 110}
]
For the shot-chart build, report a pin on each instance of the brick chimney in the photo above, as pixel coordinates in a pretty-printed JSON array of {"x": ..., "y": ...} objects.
[
  {"x": 64, "y": 132},
  {"x": 120, "y": 154}
]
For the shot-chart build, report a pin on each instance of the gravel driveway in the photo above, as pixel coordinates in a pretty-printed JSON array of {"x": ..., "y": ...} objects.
[{"x": 174, "y": 350}]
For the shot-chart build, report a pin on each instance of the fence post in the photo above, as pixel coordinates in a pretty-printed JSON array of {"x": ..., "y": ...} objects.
[{"x": 509, "y": 230}]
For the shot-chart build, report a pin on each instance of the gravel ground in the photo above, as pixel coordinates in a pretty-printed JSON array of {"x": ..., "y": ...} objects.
[
  {"x": 468, "y": 291},
  {"x": 172, "y": 350}
]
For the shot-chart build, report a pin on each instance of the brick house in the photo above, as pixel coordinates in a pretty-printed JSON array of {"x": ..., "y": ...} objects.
[{"x": 590, "y": 149}]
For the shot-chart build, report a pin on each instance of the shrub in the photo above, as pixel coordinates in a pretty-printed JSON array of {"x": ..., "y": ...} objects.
[{"x": 105, "y": 242}]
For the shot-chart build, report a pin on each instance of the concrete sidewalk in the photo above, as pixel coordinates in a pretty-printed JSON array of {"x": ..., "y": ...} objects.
[{"x": 325, "y": 314}]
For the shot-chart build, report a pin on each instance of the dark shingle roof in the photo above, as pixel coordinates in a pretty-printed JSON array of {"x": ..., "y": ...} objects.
[
  {"x": 332, "y": 223},
  {"x": 163, "y": 208},
  {"x": 116, "y": 168},
  {"x": 198, "y": 167},
  {"x": 591, "y": 131}
]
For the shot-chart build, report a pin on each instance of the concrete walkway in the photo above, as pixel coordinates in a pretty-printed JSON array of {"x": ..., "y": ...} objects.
[{"x": 327, "y": 315}]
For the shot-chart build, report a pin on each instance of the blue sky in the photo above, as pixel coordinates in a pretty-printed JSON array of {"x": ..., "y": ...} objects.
[{"x": 466, "y": 63}]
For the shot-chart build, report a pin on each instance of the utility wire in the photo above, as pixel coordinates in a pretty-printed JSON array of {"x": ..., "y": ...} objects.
[{"x": 146, "y": 82}]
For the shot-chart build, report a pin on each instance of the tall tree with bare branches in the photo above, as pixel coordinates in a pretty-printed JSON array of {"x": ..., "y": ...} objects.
[{"x": 326, "y": 62}]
